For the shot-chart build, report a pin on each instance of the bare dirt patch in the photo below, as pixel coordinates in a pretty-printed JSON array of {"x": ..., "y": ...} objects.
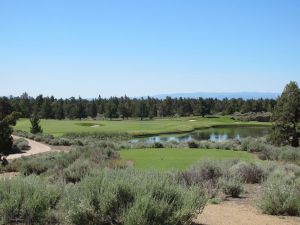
[
  {"x": 129, "y": 163},
  {"x": 242, "y": 211},
  {"x": 232, "y": 213},
  {"x": 9, "y": 175}
]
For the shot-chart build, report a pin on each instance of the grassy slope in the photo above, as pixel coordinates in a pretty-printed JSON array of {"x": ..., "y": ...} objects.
[
  {"x": 167, "y": 159},
  {"x": 133, "y": 127}
]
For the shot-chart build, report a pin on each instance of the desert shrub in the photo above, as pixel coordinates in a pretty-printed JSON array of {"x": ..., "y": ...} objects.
[
  {"x": 131, "y": 198},
  {"x": 77, "y": 142},
  {"x": 280, "y": 196},
  {"x": 119, "y": 164},
  {"x": 76, "y": 171},
  {"x": 99, "y": 135},
  {"x": 204, "y": 170},
  {"x": 38, "y": 138},
  {"x": 54, "y": 142},
  {"x": 53, "y": 163},
  {"x": 253, "y": 145},
  {"x": 231, "y": 185},
  {"x": 206, "y": 144},
  {"x": 204, "y": 174},
  {"x": 253, "y": 116},
  {"x": 158, "y": 145},
  {"x": 262, "y": 156},
  {"x": 46, "y": 138},
  {"x": 139, "y": 144},
  {"x": 192, "y": 144},
  {"x": 64, "y": 142},
  {"x": 107, "y": 144},
  {"x": 20, "y": 145},
  {"x": 27, "y": 201},
  {"x": 290, "y": 154},
  {"x": 292, "y": 168},
  {"x": 271, "y": 153},
  {"x": 36, "y": 167},
  {"x": 227, "y": 145},
  {"x": 248, "y": 172}
]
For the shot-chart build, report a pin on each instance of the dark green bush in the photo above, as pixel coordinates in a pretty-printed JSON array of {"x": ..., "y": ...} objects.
[
  {"x": 193, "y": 144},
  {"x": 158, "y": 145}
]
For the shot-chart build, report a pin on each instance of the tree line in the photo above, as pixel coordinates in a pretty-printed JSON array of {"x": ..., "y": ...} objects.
[
  {"x": 285, "y": 111},
  {"x": 125, "y": 107}
]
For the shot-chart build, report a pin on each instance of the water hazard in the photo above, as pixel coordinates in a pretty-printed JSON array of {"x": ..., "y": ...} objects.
[{"x": 212, "y": 134}]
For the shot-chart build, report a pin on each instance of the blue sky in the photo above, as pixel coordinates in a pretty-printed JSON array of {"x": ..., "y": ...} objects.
[{"x": 71, "y": 48}]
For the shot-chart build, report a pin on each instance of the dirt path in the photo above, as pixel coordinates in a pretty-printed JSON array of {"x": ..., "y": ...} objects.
[{"x": 35, "y": 148}]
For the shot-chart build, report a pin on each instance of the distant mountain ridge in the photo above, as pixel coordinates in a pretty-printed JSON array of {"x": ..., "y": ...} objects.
[{"x": 221, "y": 95}]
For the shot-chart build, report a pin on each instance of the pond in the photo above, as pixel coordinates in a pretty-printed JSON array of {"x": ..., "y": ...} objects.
[{"x": 212, "y": 134}]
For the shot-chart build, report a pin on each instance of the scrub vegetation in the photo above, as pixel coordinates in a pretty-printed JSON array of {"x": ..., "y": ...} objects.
[{"x": 104, "y": 177}]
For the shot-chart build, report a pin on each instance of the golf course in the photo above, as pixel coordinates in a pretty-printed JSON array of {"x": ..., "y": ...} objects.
[
  {"x": 164, "y": 159},
  {"x": 134, "y": 127},
  {"x": 167, "y": 159},
  {"x": 150, "y": 112}
]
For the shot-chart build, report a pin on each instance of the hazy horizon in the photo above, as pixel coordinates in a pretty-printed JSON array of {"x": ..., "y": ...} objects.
[
  {"x": 215, "y": 95},
  {"x": 145, "y": 48}
]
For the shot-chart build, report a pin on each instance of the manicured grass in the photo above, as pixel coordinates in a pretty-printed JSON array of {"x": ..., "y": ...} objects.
[
  {"x": 133, "y": 127},
  {"x": 176, "y": 158}
]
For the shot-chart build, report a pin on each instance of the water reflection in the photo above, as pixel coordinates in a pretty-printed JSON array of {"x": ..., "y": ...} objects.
[{"x": 212, "y": 134}]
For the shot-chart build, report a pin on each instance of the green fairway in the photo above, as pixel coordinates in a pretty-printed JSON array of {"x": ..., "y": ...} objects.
[
  {"x": 133, "y": 127},
  {"x": 173, "y": 158}
]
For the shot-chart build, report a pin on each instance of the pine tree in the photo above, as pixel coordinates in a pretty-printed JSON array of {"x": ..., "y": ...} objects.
[
  {"x": 25, "y": 105},
  {"x": 286, "y": 115},
  {"x": 142, "y": 109},
  {"x": 59, "y": 112},
  {"x": 46, "y": 109},
  {"x": 92, "y": 109},
  {"x": 6, "y": 140},
  {"x": 35, "y": 124},
  {"x": 81, "y": 113},
  {"x": 5, "y": 108}
]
